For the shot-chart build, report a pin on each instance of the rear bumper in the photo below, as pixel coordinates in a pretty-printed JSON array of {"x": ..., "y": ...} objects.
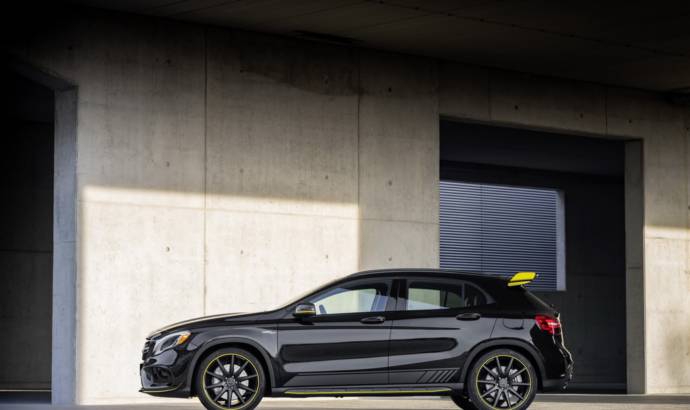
[{"x": 561, "y": 383}]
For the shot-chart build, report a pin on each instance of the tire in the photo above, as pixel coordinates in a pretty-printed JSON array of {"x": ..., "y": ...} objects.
[
  {"x": 502, "y": 379},
  {"x": 216, "y": 384},
  {"x": 463, "y": 402}
]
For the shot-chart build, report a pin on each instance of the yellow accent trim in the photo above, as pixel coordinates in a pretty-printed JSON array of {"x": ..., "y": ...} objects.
[
  {"x": 306, "y": 393},
  {"x": 476, "y": 384},
  {"x": 522, "y": 278},
  {"x": 258, "y": 382}
]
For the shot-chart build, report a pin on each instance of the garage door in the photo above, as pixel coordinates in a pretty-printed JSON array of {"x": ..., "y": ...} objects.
[{"x": 497, "y": 229}]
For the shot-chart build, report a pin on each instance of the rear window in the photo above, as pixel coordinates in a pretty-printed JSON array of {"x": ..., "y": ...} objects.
[
  {"x": 515, "y": 297},
  {"x": 441, "y": 295},
  {"x": 434, "y": 296}
]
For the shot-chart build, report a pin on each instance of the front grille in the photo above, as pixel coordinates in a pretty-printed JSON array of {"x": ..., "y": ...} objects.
[{"x": 147, "y": 348}]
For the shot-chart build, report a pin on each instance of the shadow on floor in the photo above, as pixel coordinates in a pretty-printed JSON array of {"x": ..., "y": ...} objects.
[{"x": 613, "y": 398}]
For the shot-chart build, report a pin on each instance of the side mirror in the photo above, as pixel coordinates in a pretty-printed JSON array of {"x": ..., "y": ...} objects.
[{"x": 305, "y": 310}]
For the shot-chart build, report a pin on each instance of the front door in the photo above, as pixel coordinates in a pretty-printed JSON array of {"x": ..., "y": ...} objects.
[
  {"x": 436, "y": 322},
  {"x": 345, "y": 343}
]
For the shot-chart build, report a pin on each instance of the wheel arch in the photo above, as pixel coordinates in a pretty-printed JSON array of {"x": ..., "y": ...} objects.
[
  {"x": 242, "y": 343},
  {"x": 520, "y": 346}
]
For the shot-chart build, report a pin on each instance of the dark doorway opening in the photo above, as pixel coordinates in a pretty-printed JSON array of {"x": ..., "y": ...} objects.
[
  {"x": 26, "y": 243},
  {"x": 589, "y": 172}
]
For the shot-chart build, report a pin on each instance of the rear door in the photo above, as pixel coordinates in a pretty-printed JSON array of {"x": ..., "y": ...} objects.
[{"x": 435, "y": 322}]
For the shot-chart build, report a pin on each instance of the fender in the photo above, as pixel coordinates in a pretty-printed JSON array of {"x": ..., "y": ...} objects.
[
  {"x": 208, "y": 345},
  {"x": 503, "y": 342}
]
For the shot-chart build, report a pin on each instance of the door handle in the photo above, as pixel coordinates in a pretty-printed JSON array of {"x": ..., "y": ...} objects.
[
  {"x": 468, "y": 316},
  {"x": 373, "y": 320}
]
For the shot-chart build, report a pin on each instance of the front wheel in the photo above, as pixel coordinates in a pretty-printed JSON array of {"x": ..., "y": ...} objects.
[
  {"x": 230, "y": 379},
  {"x": 502, "y": 379}
]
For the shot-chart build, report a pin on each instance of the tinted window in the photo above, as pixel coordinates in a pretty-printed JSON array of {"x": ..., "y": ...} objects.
[
  {"x": 433, "y": 296},
  {"x": 358, "y": 298},
  {"x": 474, "y": 296},
  {"x": 444, "y": 295}
]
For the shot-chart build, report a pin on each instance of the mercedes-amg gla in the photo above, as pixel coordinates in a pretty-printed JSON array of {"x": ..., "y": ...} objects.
[{"x": 485, "y": 341}]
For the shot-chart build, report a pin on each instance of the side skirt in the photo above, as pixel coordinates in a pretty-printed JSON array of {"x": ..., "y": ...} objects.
[{"x": 372, "y": 390}]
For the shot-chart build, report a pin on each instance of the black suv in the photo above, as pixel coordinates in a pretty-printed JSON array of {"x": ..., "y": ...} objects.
[{"x": 485, "y": 341}]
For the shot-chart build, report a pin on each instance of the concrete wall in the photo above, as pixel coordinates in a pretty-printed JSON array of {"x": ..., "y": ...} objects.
[
  {"x": 398, "y": 162},
  {"x": 207, "y": 157},
  {"x": 281, "y": 168},
  {"x": 26, "y": 217}
]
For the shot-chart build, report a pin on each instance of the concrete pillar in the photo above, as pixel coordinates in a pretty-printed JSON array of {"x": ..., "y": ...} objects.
[
  {"x": 634, "y": 258},
  {"x": 65, "y": 248},
  {"x": 64, "y": 277},
  {"x": 658, "y": 303}
]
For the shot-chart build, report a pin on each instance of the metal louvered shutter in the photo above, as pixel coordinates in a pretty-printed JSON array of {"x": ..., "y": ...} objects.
[{"x": 503, "y": 230}]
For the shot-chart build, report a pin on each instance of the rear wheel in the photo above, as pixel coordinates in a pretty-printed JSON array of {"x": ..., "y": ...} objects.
[
  {"x": 502, "y": 379},
  {"x": 230, "y": 379}
]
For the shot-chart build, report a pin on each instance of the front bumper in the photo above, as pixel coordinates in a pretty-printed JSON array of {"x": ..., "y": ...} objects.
[
  {"x": 166, "y": 373},
  {"x": 159, "y": 381}
]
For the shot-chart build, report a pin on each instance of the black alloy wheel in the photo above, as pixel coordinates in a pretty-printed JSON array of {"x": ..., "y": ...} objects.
[
  {"x": 230, "y": 379},
  {"x": 502, "y": 379}
]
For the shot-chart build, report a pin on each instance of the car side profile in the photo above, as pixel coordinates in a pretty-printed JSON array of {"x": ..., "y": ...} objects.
[{"x": 485, "y": 341}]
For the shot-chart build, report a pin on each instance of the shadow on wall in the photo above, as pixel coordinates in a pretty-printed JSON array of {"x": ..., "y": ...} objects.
[
  {"x": 259, "y": 191},
  {"x": 212, "y": 155},
  {"x": 216, "y": 175}
]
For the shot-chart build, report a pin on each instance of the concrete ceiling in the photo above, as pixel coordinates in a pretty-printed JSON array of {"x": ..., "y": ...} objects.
[{"x": 637, "y": 44}]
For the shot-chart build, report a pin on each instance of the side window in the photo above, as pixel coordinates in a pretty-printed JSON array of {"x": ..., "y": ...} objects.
[
  {"x": 444, "y": 295},
  {"x": 474, "y": 296},
  {"x": 434, "y": 296},
  {"x": 356, "y": 298}
]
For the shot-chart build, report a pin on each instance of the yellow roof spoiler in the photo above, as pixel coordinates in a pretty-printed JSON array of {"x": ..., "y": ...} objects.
[{"x": 522, "y": 278}]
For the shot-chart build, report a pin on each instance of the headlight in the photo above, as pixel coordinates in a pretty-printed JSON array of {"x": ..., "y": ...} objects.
[{"x": 170, "y": 341}]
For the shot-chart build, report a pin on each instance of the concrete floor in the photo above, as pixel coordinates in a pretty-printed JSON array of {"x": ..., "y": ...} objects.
[{"x": 560, "y": 401}]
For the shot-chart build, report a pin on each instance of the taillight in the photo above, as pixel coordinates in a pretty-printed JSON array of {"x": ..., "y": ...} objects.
[{"x": 548, "y": 324}]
